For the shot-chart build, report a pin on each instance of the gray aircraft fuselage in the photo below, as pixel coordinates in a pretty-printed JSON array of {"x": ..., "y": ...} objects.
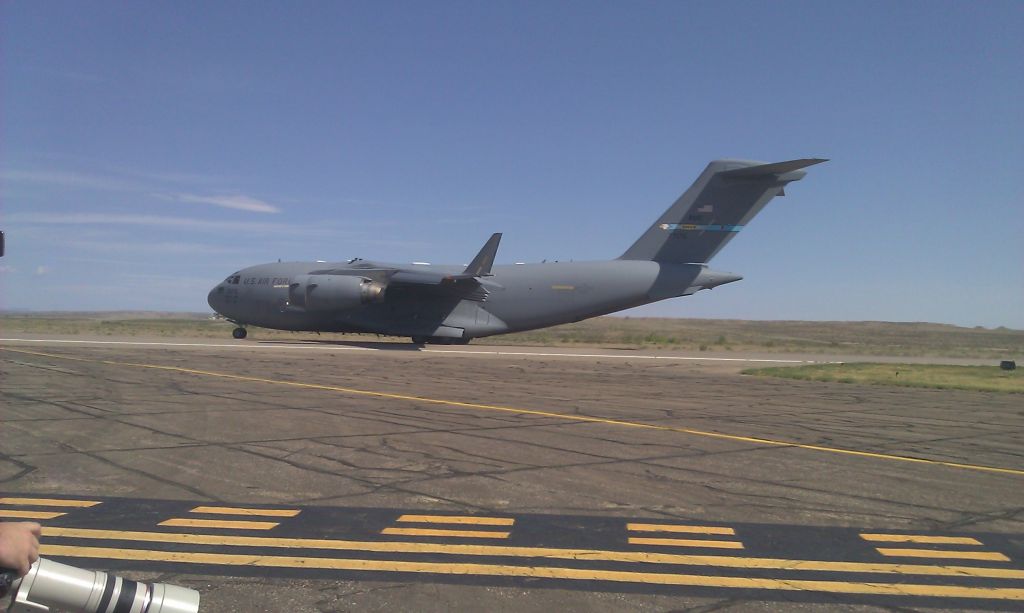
[
  {"x": 453, "y": 304},
  {"x": 522, "y": 297}
]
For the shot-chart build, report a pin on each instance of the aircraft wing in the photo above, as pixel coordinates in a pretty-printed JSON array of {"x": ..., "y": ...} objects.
[
  {"x": 471, "y": 277},
  {"x": 439, "y": 284},
  {"x": 401, "y": 276},
  {"x": 470, "y": 284},
  {"x": 426, "y": 277}
]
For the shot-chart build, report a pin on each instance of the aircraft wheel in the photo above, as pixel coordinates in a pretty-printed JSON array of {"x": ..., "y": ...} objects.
[
  {"x": 239, "y": 333},
  {"x": 419, "y": 340}
]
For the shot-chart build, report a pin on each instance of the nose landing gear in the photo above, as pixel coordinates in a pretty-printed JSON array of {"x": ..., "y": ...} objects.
[{"x": 239, "y": 332}]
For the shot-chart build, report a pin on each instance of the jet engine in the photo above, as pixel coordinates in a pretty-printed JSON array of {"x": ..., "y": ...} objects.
[{"x": 333, "y": 292}]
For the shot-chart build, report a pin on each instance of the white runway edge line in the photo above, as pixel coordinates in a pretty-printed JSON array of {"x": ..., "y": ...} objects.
[
  {"x": 435, "y": 351},
  {"x": 619, "y": 357}
]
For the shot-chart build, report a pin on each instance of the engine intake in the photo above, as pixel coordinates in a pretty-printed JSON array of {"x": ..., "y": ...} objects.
[{"x": 333, "y": 292}]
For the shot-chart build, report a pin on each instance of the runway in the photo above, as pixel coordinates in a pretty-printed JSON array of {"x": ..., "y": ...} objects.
[
  {"x": 345, "y": 478},
  {"x": 450, "y": 351}
]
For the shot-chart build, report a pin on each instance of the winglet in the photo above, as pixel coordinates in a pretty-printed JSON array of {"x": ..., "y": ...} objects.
[{"x": 481, "y": 264}]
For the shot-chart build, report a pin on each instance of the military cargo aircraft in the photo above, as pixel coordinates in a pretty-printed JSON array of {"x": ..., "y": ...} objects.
[{"x": 454, "y": 304}]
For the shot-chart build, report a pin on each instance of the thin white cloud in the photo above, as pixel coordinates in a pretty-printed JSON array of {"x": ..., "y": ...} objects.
[
  {"x": 171, "y": 177},
  {"x": 162, "y": 247},
  {"x": 78, "y": 180},
  {"x": 236, "y": 201},
  {"x": 42, "y": 270},
  {"x": 228, "y": 227},
  {"x": 6, "y": 268},
  {"x": 69, "y": 179},
  {"x": 137, "y": 220},
  {"x": 104, "y": 170}
]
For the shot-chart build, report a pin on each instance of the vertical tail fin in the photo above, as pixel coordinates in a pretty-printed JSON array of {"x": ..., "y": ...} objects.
[{"x": 720, "y": 202}]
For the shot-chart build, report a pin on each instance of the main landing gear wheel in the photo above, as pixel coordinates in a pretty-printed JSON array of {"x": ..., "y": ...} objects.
[
  {"x": 238, "y": 333},
  {"x": 419, "y": 340}
]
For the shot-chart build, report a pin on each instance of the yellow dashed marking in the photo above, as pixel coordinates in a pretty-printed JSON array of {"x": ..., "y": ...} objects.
[
  {"x": 12, "y": 514},
  {"x": 578, "y": 574},
  {"x": 457, "y": 519},
  {"x": 217, "y": 523},
  {"x": 636, "y": 540},
  {"x": 943, "y": 554},
  {"x": 920, "y": 538},
  {"x": 679, "y": 528},
  {"x": 539, "y": 552},
  {"x": 489, "y": 407},
  {"x": 241, "y": 511},
  {"x": 439, "y": 532},
  {"x": 49, "y": 502}
]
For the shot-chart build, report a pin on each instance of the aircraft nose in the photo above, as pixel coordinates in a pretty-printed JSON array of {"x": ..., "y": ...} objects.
[{"x": 216, "y": 297}]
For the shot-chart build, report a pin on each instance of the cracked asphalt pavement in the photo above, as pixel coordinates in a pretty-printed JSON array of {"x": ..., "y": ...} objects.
[{"x": 498, "y": 435}]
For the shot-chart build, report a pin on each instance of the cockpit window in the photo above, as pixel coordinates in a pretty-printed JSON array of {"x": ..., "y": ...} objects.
[{"x": 233, "y": 279}]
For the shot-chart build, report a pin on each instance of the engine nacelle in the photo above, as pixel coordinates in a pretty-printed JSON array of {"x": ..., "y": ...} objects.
[{"x": 333, "y": 292}]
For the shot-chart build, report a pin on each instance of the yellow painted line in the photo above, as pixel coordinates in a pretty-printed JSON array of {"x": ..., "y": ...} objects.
[
  {"x": 679, "y": 528},
  {"x": 920, "y": 538},
  {"x": 218, "y": 523},
  {"x": 537, "y": 552},
  {"x": 29, "y": 514},
  {"x": 49, "y": 502},
  {"x": 241, "y": 511},
  {"x": 458, "y": 519},
  {"x": 519, "y": 411},
  {"x": 438, "y": 532},
  {"x": 944, "y": 554},
  {"x": 638, "y": 540},
  {"x": 563, "y": 287},
  {"x": 540, "y": 572}
]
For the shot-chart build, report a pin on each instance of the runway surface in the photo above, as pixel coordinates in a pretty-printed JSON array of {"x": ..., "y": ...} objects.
[{"x": 351, "y": 477}]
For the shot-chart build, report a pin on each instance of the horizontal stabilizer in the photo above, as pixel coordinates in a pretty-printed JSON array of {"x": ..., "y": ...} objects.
[
  {"x": 481, "y": 264},
  {"x": 777, "y": 168}
]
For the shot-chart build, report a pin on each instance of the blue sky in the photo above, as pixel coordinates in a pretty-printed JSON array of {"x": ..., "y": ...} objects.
[{"x": 147, "y": 150}]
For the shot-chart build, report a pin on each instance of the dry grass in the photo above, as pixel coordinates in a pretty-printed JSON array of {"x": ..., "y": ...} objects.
[
  {"x": 840, "y": 338},
  {"x": 972, "y": 378}
]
